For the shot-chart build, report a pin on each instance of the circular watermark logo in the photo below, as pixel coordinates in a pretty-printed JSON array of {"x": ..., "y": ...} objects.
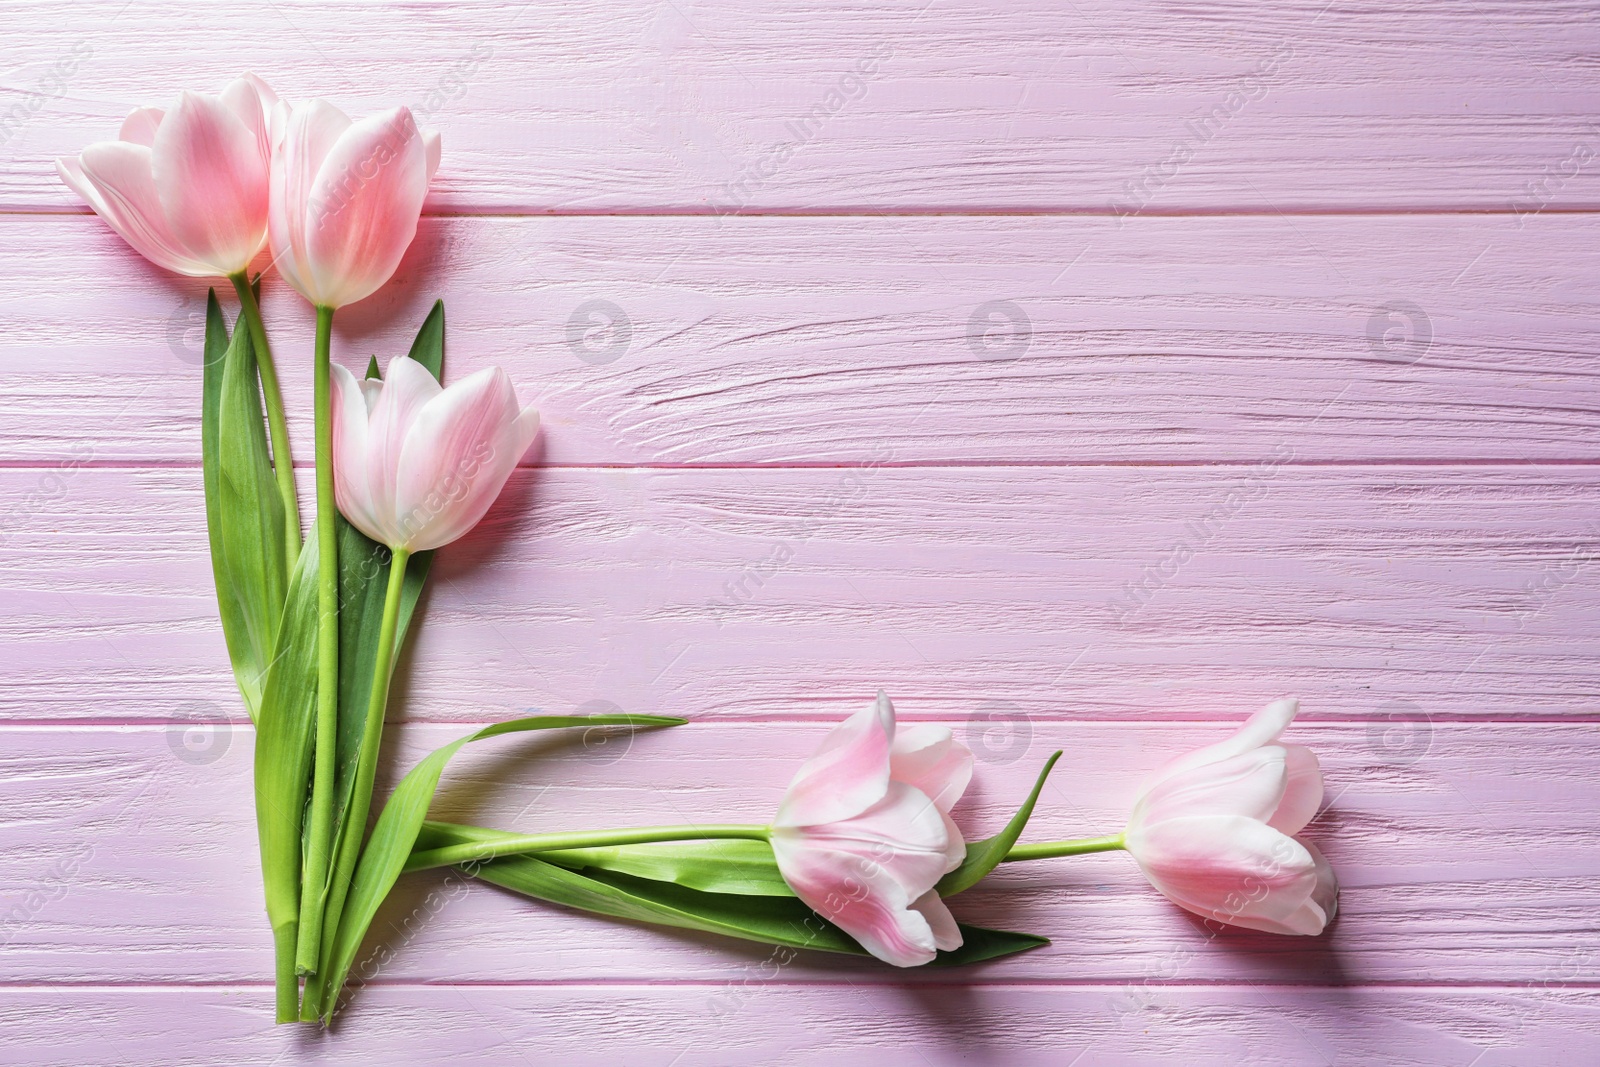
[
  {"x": 999, "y": 732},
  {"x": 1399, "y": 331},
  {"x": 999, "y": 329},
  {"x": 1400, "y": 733},
  {"x": 605, "y": 744},
  {"x": 201, "y": 733},
  {"x": 599, "y": 332},
  {"x": 186, "y": 332}
]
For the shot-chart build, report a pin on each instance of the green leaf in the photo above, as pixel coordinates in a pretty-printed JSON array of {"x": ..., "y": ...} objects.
[
  {"x": 771, "y": 920},
  {"x": 742, "y": 868},
  {"x": 231, "y": 609},
  {"x": 428, "y": 347},
  {"x": 984, "y": 856},
  {"x": 396, "y": 831},
  {"x": 243, "y": 510},
  {"x": 730, "y": 865},
  {"x": 372, "y": 368},
  {"x": 284, "y": 736}
]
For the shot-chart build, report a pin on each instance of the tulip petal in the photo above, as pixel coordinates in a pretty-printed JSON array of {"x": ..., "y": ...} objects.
[
  {"x": 407, "y": 390},
  {"x": 140, "y": 126},
  {"x": 1315, "y": 913},
  {"x": 904, "y": 832},
  {"x": 1250, "y": 785},
  {"x": 351, "y": 483},
  {"x": 432, "y": 146},
  {"x": 363, "y": 207},
  {"x": 371, "y": 390},
  {"x": 1234, "y": 870},
  {"x": 125, "y": 197},
  {"x": 212, "y": 181},
  {"x": 863, "y": 873},
  {"x": 863, "y": 900},
  {"x": 928, "y": 758},
  {"x": 1302, "y": 794},
  {"x": 848, "y": 774},
  {"x": 456, "y": 459},
  {"x": 1262, "y": 728},
  {"x": 308, "y": 134},
  {"x": 252, "y": 102},
  {"x": 1326, "y": 894},
  {"x": 946, "y": 931}
]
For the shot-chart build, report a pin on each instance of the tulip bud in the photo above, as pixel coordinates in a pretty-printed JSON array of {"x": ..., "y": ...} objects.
[
  {"x": 416, "y": 465},
  {"x": 1214, "y": 831},
  {"x": 345, "y": 198}
]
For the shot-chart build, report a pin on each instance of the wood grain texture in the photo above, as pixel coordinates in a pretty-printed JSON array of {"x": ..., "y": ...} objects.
[
  {"x": 1086, "y": 374},
  {"x": 1095, "y": 105},
  {"x": 787, "y": 341},
  {"x": 1457, "y": 856},
  {"x": 786, "y": 1026},
  {"x": 1048, "y": 593}
]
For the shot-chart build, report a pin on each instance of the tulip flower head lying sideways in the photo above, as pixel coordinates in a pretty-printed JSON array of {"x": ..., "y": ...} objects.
[
  {"x": 1214, "y": 831},
  {"x": 864, "y": 833},
  {"x": 416, "y": 465}
]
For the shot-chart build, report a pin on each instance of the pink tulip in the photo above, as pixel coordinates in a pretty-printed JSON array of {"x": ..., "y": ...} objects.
[
  {"x": 864, "y": 833},
  {"x": 345, "y": 198},
  {"x": 416, "y": 465},
  {"x": 1214, "y": 831},
  {"x": 187, "y": 188}
]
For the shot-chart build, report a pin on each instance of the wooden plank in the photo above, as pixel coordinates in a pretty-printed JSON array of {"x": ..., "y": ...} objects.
[
  {"x": 1048, "y": 592},
  {"x": 786, "y": 1026},
  {"x": 899, "y": 340},
  {"x": 1461, "y": 847},
  {"x": 1097, "y": 105}
]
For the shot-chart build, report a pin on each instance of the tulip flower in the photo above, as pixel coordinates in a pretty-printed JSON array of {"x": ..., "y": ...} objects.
[
  {"x": 342, "y": 208},
  {"x": 417, "y": 465},
  {"x": 864, "y": 833},
  {"x": 188, "y": 189},
  {"x": 345, "y": 198},
  {"x": 1214, "y": 831}
]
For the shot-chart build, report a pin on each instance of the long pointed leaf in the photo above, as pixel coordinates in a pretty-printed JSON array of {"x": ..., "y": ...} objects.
[
  {"x": 428, "y": 347},
  {"x": 784, "y": 921},
  {"x": 396, "y": 832},
  {"x": 284, "y": 735},
  {"x": 246, "y": 663},
  {"x": 245, "y": 513},
  {"x": 984, "y": 856},
  {"x": 363, "y": 580},
  {"x": 744, "y": 868}
]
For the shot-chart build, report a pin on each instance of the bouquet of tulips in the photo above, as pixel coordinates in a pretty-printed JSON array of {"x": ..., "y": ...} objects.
[{"x": 861, "y": 854}]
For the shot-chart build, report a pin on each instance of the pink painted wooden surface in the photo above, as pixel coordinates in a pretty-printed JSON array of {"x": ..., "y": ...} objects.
[{"x": 1334, "y": 263}]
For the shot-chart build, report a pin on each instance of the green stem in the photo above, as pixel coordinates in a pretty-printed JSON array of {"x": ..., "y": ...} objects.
[
  {"x": 1045, "y": 850},
  {"x": 285, "y": 981},
  {"x": 313, "y": 894},
  {"x": 355, "y": 816},
  {"x": 277, "y": 425},
  {"x": 515, "y": 844}
]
